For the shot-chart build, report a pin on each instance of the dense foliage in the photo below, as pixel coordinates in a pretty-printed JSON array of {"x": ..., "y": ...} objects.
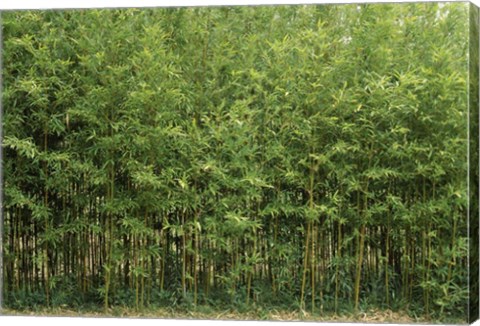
[{"x": 303, "y": 157}]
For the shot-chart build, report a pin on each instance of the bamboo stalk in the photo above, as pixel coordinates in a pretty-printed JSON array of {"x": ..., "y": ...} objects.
[
  {"x": 47, "y": 226},
  {"x": 359, "y": 266},
  {"x": 305, "y": 264},
  {"x": 337, "y": 266}
]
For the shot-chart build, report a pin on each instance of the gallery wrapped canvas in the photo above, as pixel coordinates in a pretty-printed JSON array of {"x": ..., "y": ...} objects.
[{"x": 294, "y": 162}]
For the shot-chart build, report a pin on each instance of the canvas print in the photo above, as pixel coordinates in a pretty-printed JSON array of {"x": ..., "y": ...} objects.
[{"x": 300, "y": 162}]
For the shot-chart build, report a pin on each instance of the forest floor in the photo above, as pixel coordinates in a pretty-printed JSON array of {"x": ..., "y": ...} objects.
[{"x": 371, "y": 316}]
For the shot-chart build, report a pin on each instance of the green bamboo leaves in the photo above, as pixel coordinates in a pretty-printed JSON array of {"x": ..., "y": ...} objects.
[{"x": 308, "y": 158}]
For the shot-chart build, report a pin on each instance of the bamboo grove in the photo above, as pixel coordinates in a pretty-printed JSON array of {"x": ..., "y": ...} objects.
[{"x": 304, "y": 157}]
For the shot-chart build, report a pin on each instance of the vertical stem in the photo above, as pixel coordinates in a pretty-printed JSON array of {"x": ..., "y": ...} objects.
[
  {"x": 312, "y": 266},
  {"x": 184, "y": 257},
  {"x": 337, "y": 265},
  {"x": 195, "y": 258},
  {"x": 429, "y": 260},
  {"x": 359, "y": 266},
  {"x": 275, "y": 232},
  {"x": 46, "y": 249},
  {"x": 109, "y": 235},
  {"x": 305, "y": 264},
  {"x": 387, "y": 257},
  {"x": 425, "y": 238},
  {"x": 452, "y": 262},
  {"x": 412, "y": 267},
  {"x": 166, "y": 243},
  {"x": 136, "y": 272}
]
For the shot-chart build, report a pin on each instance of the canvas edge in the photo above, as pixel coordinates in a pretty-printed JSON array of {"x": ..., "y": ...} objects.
[{"x": 473, "y": 212}]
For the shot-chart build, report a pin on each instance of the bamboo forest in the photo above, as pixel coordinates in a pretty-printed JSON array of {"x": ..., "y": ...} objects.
[{"x": 309, "y": 160}]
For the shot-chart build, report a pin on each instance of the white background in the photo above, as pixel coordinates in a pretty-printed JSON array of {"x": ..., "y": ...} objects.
[
  {"x": 52, "y": 4},
  {"x": 31, "y": 4}
]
